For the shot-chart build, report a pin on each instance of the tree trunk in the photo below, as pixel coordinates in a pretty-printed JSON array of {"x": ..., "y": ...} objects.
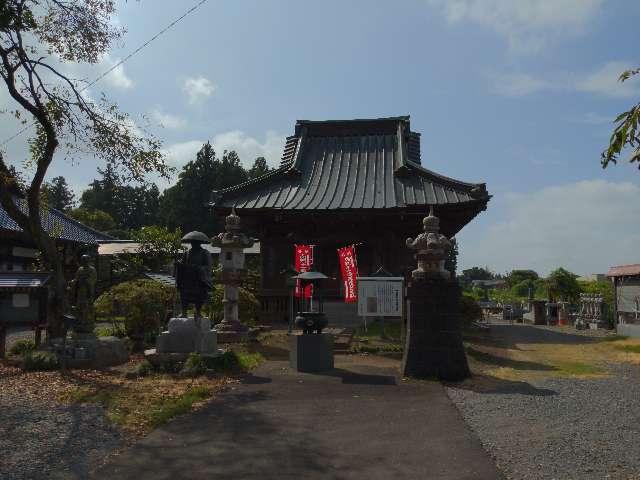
[{"x": 54, "y": 262}]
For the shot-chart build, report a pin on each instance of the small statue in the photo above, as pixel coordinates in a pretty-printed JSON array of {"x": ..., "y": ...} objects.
[
  {"x": 83, "y": 290},
  {"x": 193, "y": 273}
]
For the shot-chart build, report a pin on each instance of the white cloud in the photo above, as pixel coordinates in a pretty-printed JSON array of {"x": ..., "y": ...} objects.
[
  {"x": 604, "y": 81},
  {"x": 198, "y": 88},
  {"x": 248, "y": 148},
  {"x": 516, "y": 84},
  {"x": 116, "y": 78},
  {"x": 167, "y": 120},
  {"x": 178, "y": 154},
  {"x": 585, "y": 226},
  {"x": 528, "y": 25}
]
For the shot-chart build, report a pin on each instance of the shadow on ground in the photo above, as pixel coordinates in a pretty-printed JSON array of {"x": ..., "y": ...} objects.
[
  {"x": 490, "y": 359},
  {"x": 356, "y": 378},
  {"x": 509, "y": 336},
  {"x": 489, "y": 384}
]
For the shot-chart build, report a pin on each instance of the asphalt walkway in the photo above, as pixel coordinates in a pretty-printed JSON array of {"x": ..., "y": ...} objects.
[{"x": 357, "y": 422}]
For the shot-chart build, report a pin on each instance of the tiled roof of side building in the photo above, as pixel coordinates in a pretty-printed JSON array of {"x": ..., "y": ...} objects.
[
  {"x": 58, "y": 224},
  {"x": 350, "y": 164}
]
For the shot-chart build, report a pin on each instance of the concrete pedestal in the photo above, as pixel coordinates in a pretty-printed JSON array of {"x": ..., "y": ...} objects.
[
  {"x": 184, "y": 335},
  {"x": 311, "y": 352},
  {"x": 433, "y": 347},
  {"x": 232, "y": 332}
]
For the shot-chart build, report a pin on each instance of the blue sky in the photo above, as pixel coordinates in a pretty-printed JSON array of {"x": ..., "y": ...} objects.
[{"x": 518, "y": 94}]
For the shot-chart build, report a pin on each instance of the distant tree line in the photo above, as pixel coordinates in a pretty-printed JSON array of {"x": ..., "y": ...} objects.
[
  {"x": 520, "y": 285},
  {"x": 113, "y": 206}
]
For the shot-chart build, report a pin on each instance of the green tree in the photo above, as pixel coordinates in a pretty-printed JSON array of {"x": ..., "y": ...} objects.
[
  {"x": 57, "y": 194},
  {"x": 259, "y": 168},
  {"x": 96, "y": 219},
  {"x": 518, "y": 276},
  {"x": 132, "y": 206},
  {"x": 563, "y": 285},
  {"x": 158, "y": 245},
  {"x": 626, "y": 132},
  {"x": 451, "y": 262},
  {"x": 35, "y": 39},
  {"x": 185, "y": 205}
]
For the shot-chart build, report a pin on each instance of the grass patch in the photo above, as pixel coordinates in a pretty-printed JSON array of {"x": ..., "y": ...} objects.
[
  {"x": 381, "y": 348},
  {"x": 578, "y": 369},
  {"x": 391, "y": 331},
  {"x": 165, "y": 409},
  {"x": 614, "y": 338},
  {"x": 628, "y": 348},
  {"x": 142, "y": 405}
]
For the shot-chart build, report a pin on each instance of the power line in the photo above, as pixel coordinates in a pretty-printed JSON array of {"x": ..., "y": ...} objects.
[{"x": 117, "y": 64}]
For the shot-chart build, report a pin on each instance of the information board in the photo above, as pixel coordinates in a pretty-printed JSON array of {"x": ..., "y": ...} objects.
[{"x": 380, "y": 296}]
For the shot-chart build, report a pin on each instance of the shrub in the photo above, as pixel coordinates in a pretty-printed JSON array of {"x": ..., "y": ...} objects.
[
  {"x": 22, "y": 347},
  {"x": 470, "y": 311},
  {"x": 40, "y": 360},
  {"x": 143, "y": 304},
  {"x": 143, "y": 369},
  {"x": 228, "y": 362},
  {"x": 194, "y": 365},
  {"x": 248, "y": 306}
]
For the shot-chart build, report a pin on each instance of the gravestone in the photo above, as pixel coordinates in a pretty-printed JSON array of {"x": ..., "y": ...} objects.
[{"x": 433, "y": 345}]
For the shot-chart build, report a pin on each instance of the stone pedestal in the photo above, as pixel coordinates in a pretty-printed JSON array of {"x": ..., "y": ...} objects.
[
  {"x": 433, "y": 347},
  {"x": 311, "y": 352},
  {"x": 186, "y": 335},
  {"x": 85, "y": 350}
]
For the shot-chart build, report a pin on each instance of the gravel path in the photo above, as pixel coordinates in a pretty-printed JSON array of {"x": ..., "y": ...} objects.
[
  {"x": 42, "y": 440},
  {"x": 560, "y": 428}
]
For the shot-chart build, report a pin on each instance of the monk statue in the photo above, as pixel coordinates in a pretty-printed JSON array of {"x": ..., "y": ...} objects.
[
  {"x": 193, "y": 273},
  {"x": 83, "y": 290}
]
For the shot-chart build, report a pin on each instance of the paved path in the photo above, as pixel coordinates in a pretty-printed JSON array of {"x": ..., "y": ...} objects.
[{"x": 356, "y": 422}]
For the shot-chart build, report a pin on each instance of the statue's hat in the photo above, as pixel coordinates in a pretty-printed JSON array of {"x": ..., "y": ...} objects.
[{"x": 195, "y": 237}]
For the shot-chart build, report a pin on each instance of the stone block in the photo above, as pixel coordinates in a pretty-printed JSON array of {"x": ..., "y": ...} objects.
[
  {"x": 311, "y": 352},
  {"x": 434, "y": 347},
  {"x": 110, "y": 351},
  {"x": 184, "y": 336}
]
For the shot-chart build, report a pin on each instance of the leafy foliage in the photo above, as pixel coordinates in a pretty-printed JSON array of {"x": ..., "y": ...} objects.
[
  {"x": 451, "y": 262},
  {"x": 22, "y": 347},
  {"x": 476, "y": 273},
  {"x": 563, "y": 285},
  {"x": 144, "y": 304},
  {"x": 626, "y": 132},
  {"x": 35, "y": 38},
  {"x": 158, "y": 245},
  {"x": 470, "y": 311},
  {"x": 183, "y": 205},
  {"x": 132, "y": 206},
  {"x": 39, "y": 360},
  {"x": 96, "y": 219},
  {"x": 259, "y": 168},
  {"x": 57, "y": 194}
]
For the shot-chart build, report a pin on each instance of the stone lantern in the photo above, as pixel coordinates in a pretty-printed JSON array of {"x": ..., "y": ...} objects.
[
  {"x": 232, "y": 243},
  {"x": 431, "y": 250},
  {"x": 433, "y": 346}
]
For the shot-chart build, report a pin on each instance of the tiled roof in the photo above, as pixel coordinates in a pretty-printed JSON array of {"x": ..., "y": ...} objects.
[
  {"x": 57, "y": 224},
  {"x": 23, "y": 279},
  {"x": 624, "y": 270},
  {"x": 351, "y": 164}
]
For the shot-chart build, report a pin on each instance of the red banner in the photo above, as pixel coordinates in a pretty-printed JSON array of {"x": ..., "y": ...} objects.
[
  {"x": 349, "y": 268},
  {"x": 303, "y": 263}
]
